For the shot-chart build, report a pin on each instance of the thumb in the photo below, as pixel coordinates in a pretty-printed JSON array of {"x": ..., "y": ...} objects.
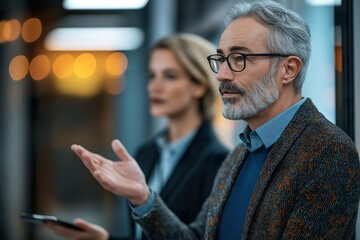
[
  {"x": 96, "y": 231},
  {"x": 81, "y": 223},
  {"x": 120, "y": 151}
]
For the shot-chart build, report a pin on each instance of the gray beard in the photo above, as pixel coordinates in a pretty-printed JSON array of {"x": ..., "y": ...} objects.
[{"x": 261, "y": 95}]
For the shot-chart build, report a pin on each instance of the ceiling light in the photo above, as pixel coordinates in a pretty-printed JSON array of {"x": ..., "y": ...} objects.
[
  {"x": 95, "y": 39},
  {"x": 324, "y": 2},
  {"x": 104, "y": 4}
]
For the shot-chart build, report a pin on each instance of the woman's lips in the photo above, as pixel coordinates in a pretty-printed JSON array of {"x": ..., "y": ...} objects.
[{"x": 156, "y": 101}]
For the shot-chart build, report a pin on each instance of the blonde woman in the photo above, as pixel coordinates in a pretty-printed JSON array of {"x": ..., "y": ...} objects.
[{"x": 180, "y": 162}]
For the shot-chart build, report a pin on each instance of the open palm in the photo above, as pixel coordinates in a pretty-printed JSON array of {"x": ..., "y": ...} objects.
[{"x": 123, "y": 178}]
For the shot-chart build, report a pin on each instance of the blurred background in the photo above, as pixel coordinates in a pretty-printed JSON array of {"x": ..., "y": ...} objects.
[{"x": 75, "y": 71}]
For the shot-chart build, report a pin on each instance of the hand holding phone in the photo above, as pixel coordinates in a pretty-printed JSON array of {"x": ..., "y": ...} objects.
[{"x": 38, "y": 218}]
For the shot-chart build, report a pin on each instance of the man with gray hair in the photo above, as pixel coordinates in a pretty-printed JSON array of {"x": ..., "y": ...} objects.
[{"x": 295, "y": 176}]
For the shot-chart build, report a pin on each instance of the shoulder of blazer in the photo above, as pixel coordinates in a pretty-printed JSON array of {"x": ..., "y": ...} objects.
[
  {"x": 204, "y": 144},
  {"x": 206, "y": 135},
  {"x": 308, "y": 122}
]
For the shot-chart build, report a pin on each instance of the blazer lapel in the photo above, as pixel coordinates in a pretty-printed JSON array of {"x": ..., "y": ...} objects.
[
  {"x": 148, "y": 160},
  {"x": 222, "y": 188},
  {"x": 301, "y": 119},
  {"x": 191, "y": 154},
  {"x": 176, "y": 177}
]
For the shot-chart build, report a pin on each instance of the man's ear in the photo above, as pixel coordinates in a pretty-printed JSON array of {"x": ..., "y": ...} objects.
[{"x": 291, "y": 68}]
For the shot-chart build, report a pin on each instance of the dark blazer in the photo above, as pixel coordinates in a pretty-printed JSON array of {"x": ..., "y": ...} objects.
[
  {"x": 191, "y": 181},
  {"x": 309, "y": 188}
]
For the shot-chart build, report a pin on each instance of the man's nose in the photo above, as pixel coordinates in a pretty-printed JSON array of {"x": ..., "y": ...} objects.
[{"x": 225, "y": 73}]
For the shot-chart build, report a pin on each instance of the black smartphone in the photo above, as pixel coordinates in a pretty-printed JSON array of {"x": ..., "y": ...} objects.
[{"x": 38, "y": 218}]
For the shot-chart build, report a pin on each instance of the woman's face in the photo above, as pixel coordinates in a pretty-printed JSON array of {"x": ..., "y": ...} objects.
[{"x": 171, "y": 91}]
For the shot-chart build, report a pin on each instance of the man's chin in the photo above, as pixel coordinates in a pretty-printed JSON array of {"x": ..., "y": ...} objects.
[
  {"x": 229, "y": 100},
  {"x": 231, "y": 114},
  {"x": 234, "y": 112}
]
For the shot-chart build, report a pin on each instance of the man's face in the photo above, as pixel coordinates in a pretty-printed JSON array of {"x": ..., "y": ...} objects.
[{"x": 245, "y": 94}]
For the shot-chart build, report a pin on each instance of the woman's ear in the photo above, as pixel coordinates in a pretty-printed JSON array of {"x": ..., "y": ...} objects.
[{"x": 291, "y": 68}]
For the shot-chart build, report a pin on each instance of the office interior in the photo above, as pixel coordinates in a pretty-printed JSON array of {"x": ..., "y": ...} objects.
[{"x": 62, "y": 82}]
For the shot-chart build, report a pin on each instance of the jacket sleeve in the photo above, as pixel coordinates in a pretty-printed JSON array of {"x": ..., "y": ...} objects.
[{"x": 160, "y": 223}]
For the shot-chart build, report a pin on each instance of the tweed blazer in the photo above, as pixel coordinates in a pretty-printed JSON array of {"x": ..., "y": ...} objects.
[{"x": 308, "y": 188}]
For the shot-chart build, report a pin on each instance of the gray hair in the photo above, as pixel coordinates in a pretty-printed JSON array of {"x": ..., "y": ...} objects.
[{"x": 289, "y": 34}]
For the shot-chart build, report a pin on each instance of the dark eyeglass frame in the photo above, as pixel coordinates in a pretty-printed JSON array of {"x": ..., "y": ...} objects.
[{"x": 244, "y": 55}]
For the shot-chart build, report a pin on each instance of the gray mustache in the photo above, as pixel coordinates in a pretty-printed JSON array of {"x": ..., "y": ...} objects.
[{"x": 227, "y": 86}]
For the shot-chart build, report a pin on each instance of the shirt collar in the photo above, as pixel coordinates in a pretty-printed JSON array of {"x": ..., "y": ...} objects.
[
  {"x": 268, "y": 133},
  {"x": 177, "y": 146}
]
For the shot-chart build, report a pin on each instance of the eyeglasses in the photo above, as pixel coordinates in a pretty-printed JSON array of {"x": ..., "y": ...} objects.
[{"x": 236, "y": 61}]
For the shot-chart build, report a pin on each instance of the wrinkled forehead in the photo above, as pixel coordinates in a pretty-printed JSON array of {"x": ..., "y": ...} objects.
[{"x": 245, "y": 35}]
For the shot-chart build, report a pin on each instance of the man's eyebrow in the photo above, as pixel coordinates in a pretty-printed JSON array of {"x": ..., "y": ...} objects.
[{"x": 241, "y": 49}]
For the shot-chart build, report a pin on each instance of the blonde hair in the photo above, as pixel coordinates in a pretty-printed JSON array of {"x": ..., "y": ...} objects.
[{"x": 191, "y": 52}]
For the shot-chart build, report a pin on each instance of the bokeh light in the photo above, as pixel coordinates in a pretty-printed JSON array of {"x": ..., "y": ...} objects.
[
  {"x": 10, "y": 30},
  {"x": 19, "y": 67},
  {"x": 63, "y": 66},
  {"x": 116, "y": 64},
  {"x": 114, "y": 86},
  {"x": 39, "y": 67},
  {"x": 85, "y": 65},
  {"x": 31, "y": 30},
  {"x": 2, "y": 39},
  {"x": 84, "y": 87}
]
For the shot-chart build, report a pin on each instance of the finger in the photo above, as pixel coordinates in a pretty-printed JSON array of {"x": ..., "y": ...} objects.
[
  {"x": 120, "y": 151},
  {"x": 85, "y": 225},
  {"x": 103, "y": 180},
  {"x": 91, "y": 162},
  {"x": 61, "y": 230},
  {"x": 96, "y": 231},
  {"x": 79, "y": 151},
  {"x": 87, "y": 157},
  {"x": 76, "y": 149}
]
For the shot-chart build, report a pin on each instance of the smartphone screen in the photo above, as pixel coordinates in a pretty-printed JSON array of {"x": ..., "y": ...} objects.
[{"x": 38, "y": 218}]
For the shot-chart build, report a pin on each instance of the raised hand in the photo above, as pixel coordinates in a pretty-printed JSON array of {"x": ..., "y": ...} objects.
[
  {"x": 90, "y": 231},
  {"x": 123, "y": 178}
]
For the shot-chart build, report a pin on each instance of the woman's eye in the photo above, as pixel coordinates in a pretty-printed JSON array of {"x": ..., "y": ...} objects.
[
  {"x": 170, "y": 76},
  {"x": 151, "y": 76}
]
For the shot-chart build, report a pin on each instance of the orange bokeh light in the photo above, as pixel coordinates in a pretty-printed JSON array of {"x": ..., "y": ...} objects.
[
  {"x": 31, "y": 30},
  {"x": 63, "y": 66},
  {"x": 39, "y": 67},
  {"x": 10, "y": 30},
  {"x": 85, "y": 65},
  {"x": 19, "y": 67},
  {"x": 116, "y": 64},
  {"x": 2, "y": 23}
]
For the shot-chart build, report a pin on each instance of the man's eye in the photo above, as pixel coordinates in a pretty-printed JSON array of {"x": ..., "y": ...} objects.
[{"x": 239, "y": 58}]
